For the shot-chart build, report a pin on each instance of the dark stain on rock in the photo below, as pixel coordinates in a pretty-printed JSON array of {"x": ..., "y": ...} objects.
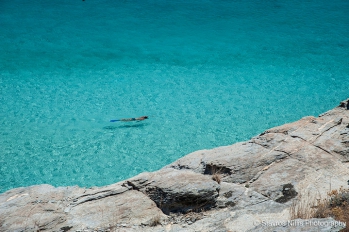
[
  {"x": 66, "y": 228},
  {"x": 230, "y": 204},
  {"x": 228, "y": 194},
  {"x": 288, "y": 193}
]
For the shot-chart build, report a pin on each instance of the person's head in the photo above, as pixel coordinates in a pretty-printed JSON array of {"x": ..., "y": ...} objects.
[{"x": 145, "y": 117}]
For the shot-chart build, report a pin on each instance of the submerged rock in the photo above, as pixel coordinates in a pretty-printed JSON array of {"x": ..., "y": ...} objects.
[{"x": 230, "y": 188}]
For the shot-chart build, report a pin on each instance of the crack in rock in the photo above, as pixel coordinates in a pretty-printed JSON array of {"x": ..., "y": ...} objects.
[{"x": 96, "y": 196}]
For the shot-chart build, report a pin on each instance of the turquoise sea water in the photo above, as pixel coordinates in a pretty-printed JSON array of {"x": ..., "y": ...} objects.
[{"x": 208, "y": 73}]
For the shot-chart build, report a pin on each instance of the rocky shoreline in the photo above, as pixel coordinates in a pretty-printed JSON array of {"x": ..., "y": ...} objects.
[{"x": 240, "y": 187}]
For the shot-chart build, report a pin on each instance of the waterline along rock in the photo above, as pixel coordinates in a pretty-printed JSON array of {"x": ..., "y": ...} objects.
[{"x": 240, "y": 187}]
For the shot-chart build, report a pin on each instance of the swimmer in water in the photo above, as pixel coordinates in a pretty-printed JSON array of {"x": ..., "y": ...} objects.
[{"x": 130, "y": 119}]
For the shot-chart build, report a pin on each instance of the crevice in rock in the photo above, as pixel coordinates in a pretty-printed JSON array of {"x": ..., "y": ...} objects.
[
  {"x": 176, "y": 202},
  {"x": 180, "y": 167},
  {"x": 130, "y": 184},
  {"x": 96, "y": 196},
  {"x": 86, "y": 195},
  {"x": 339, "y": 121},
  {"x": 277, "y": 147},
  {"x": 344, "y": 155},
  {"x": 336, "y": 123},
  {"x": 256, "y": 177},
  {"x": 264, "y": 195},
  {"x": 273, "y": 132},
  {"x": 296, "y": 136},
  {"x": 198, "y": 169},
  {"x": 260, "y": 173},
  {"x": 169, "y": 203},
  {"x": 265, "y": 147},
  {"x": 312, "y": 143},
  {"x": 212, "y": 169},
  {"x": 322, "y": 149},
  {"x": 287, "y": 153}
]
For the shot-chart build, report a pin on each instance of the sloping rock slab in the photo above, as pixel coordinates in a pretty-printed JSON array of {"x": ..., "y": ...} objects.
[
  {"x": 34, "y": 208},
  {"x": 46, "y": 208},
  {"x": 129, "y": 208}
]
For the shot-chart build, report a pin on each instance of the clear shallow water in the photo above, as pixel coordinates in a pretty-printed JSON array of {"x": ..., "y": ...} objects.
[{"x": 208, "y": 74}]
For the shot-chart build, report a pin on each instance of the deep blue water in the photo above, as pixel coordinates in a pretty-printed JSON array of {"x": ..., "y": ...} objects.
[{"x": 208, "y": 73}]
